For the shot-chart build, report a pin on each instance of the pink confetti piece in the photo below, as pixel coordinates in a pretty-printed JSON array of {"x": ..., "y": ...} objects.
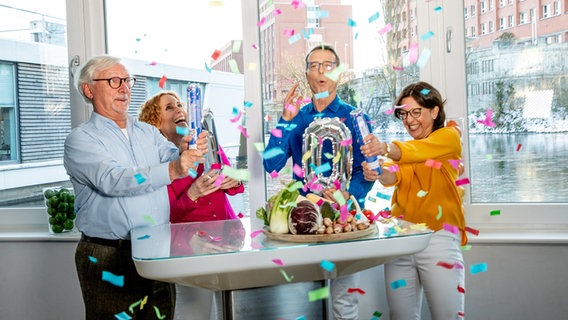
[
  {"x": 451, "y": 228},
  {"x": 397, "y": 68},
  {"x": 346, "y": 142},
  {"x": 219, "y": 180},
  {"x": 216, "y": 166},
  {"x": 255, "y": 233},
  {"x": 290, "y": 107},
  {"x": 337, "y": 184},
  {"x": 243, "y": 131},
  {"x": 298, "y": 171},
  {"x": 296, "y": 4},
  {"x": 433, "y": 163},
  {"x": 237, "y": 118},
  {"x": 455, "y": 163},
  {"x": 276, "y": 12},
  {"x": 274, "y": 174},
  {"x": 278, "y": 262},
  {"x": 152, "y": 63},
  {"x": 413, "y": 53},
  {"x": 393, "y": 168},
  {"x": 487, "y": 121},
  {"x": 240, "y": 215},
  {"x": 261, "y": 22},
  {"x": 288, "y": 32},
  {"x": 254, "y": 46},
  {"x": 389, "y": 111},
  {"x": 385, "y": 29},
  {"x": 462, "y": 181},
  {"x": 276, "y": 132},
  {"x": 320, "y": 202}
]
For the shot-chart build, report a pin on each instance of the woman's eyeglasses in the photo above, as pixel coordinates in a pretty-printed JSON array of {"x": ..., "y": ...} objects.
[
  {"x": 402, "y": 115},
  {"x": 116, "y": 82}
]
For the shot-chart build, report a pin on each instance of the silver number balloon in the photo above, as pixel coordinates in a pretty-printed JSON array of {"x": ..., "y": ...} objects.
[{"x": 314, "y": 139}]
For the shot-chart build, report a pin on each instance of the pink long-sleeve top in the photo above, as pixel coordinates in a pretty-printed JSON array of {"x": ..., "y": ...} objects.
[{"x": 214, "y": 206}]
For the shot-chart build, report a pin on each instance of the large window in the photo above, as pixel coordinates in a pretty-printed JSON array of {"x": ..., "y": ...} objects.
[{"x": 514, "y": 109}]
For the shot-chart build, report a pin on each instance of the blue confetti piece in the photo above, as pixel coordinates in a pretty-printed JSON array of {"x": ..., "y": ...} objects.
[
  {"x": 383, "y": 196},
  {"x": 143, "y": 237},
  {"x": 294, "y": 38},
  {"x": 323, "y": 168},
  {"x": 351, "y": 23},
  {"x": 192, "y": 173},
  {"x": 207, "y": 68},
  {"x": 427, "y": 35},
  {"x": 327, "y": 265},
  {"x": 307, "y": 32},
  {"x": 235, "y": 111},
  {"x": 374, "y": 17},
  {"x": 438, "y": 9},
  {"x": 113, "y": 279},
  {"x": 93, "y": 259},
  {"x": 301, "y": 318},
  {"x": 248, "y": 104},
  {"x": 477, "y": 268},
  {"x": 122, "y": 316},
  {"x": 182, "y": 131},
  {"x": 139, "y": 178},
  {"x": 272, "y": 152},
  {"x": 424, "y": 57},
  {"x": 425, "y": 91},
  {"x": 398, "y": 284},
  {"x": 322, "y": 14},
  {"x": 356, "y": 35},
  {"x": 321, "y": 95}
]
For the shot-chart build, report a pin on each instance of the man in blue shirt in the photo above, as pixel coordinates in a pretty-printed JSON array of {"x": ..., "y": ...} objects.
[
  {"x": 325, "y": 103},
  {"x": 120, "y": 169}
]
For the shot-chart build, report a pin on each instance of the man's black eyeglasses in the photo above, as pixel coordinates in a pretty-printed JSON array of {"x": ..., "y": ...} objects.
[{"x": 116, "y": 82}]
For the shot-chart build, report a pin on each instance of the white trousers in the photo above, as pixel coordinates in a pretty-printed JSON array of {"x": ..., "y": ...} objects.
[
  {"x": 344, "y": 305},
  {"x": 422, "y": 275}
]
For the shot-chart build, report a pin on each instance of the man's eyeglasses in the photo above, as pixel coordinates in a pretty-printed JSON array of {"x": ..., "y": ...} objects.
[
  {"x": 116, "y": 82},
  {"x": 315, "y": 66},
  {"x": 401, "y": 114}
]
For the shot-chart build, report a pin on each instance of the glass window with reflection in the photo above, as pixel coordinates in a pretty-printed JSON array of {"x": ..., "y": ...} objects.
[{"x": 34, "y": 100}]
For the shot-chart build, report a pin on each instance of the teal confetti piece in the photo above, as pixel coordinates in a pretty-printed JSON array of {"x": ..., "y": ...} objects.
[
  {"x": 427, "y": 35},
  {"x": 383, "y": 196},
  {"x": 301, "y": 318},
  {"x": 307, "y": 32},
  {"x": 327, "y": 265},
  {"x": 272, "y": 152},
  {"x": 93, "y": 259},
  {"x": 322, "y": 14},
  {"x": 235, "y": 111},
  {"x": 207, "y": 68},
  {"x": 321, "y": 95},
  {"x": 425, "y": 91},
  {"x": 139, "y": 178},
  {"x": 144, "y": 237},
  {"x": 351, "y": 23},
  {"x": 323, "y": 168},
  {"x": 424, "y": 57},
  {"x": 477, "y": 268},
  {"x": 294, "y": 38},
  {"x": 374, "y": 17},
  {"x": 122, "y": 316},
  {"x": 182, "y": 131},
  {"x": 247, "y": 104},
  {"x": 373, "y": 200},
  {"x": 438, "y": 9},
  {"x": 113, "y": 279},
  {"x": 192, "y": 173},
  {"x": 356, "y": 35},
  {"x": 398, "y": 284}
]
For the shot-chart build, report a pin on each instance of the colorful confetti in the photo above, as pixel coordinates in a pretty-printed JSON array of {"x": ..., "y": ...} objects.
[
  {"x": 478, "y": 268},
  {"x": 398, "y": 284},
  {"x": 327, "y": 265},
  {"x": 374, "y": 17},
  {"x": 113, "y": 279},
  {"x": 318, "y": 294},
  {"x": 358, "y": 290}
]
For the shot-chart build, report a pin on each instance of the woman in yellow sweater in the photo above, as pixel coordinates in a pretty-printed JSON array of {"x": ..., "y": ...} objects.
[{"x": 424, "y": 172}]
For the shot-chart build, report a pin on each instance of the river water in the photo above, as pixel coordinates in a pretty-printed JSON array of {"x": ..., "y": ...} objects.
[{"x": 512, "y": 168}]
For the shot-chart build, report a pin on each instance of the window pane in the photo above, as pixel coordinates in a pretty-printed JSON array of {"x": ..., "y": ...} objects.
[
  {"x": 377, "y": 41},
  {"x": 34, "y": 99},
  {"x": 518, "y": 108},
  {"x": 181, "y": 46}
]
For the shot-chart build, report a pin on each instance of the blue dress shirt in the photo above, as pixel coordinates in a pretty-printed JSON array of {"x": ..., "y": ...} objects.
[
  {"x": 291, "y": 143},
  {"x": 120, "y": 182}
]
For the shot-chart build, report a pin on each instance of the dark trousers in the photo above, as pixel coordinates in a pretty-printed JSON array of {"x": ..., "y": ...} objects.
[{"x": 139, "y": 298}]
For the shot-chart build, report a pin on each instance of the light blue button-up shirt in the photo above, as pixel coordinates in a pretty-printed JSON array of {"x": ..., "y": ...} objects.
[{"x": 120, "y": 182}]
